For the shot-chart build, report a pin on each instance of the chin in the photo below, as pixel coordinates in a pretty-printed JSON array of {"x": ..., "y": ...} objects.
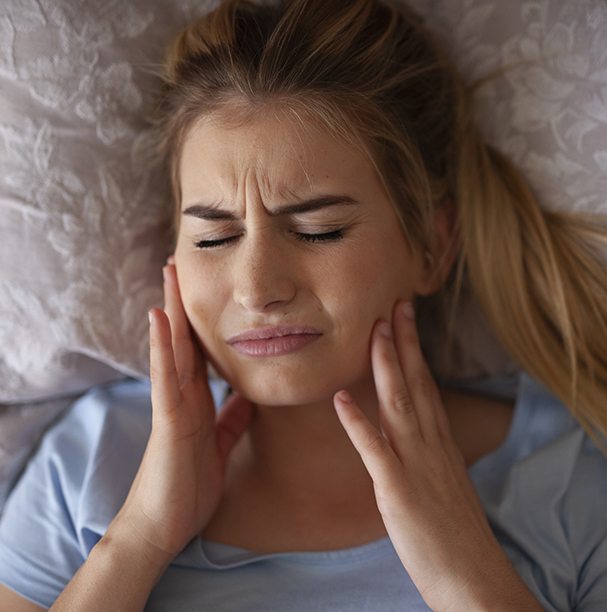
[
  {"x": 272, "y": 385},
  {"x": 286, "y": 395},
  {"x": 279, "y": 389}
]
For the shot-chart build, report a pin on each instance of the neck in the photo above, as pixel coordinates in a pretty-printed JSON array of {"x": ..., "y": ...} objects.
[{"x": 304, "y": 451}]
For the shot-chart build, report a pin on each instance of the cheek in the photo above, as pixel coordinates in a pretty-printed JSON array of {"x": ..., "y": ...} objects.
[
  {"x": 201, "y": 290},
  {"x": 369, "y": 279}
]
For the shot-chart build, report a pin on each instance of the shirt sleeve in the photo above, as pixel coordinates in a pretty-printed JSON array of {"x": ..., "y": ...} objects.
[
  {"x": 39, "y": 550},
  {"x": 73, "y": 487}
]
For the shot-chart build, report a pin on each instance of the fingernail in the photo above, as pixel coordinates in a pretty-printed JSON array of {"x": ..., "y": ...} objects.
[
  {"x": 165, "y": 273},
  {"x": 150, "y": 317},
  {"x": 384, "y": 329},
  {"x": 344, "y": 396},
  {"x": 408, "y": 310}
]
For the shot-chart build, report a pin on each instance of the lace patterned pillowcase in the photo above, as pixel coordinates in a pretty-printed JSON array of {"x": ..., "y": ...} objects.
[{"x": 84, "y": 209}]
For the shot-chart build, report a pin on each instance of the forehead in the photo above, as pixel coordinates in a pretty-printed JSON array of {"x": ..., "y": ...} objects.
[{"x": 281, "y": 154}]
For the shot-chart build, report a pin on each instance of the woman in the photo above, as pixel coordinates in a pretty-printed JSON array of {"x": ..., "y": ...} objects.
[{"x": 326, "y": 175}]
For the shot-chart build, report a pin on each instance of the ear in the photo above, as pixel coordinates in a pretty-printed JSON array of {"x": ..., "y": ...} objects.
[{"x": 446, "y": 245}]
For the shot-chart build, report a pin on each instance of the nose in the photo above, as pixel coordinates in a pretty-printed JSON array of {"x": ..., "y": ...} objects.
[{"x": 263, "y": 274}]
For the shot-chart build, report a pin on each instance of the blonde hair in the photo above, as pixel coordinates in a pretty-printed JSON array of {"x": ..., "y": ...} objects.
[{"x": 374, "y": 77}]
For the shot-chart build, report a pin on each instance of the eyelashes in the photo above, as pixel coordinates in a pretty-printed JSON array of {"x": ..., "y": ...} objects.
[
  {"x": 212, "y": 244},
  {"x": 332, "y": 236}
]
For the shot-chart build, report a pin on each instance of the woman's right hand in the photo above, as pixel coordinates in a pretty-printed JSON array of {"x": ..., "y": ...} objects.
[{"x": 180, "y": 480}]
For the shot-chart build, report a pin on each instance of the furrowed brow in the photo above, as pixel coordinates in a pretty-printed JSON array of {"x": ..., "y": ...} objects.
[
  {"x": 314, "y": 204},
  {"x": 209, "y": 212},
  {"x": 212, "y": 212}
]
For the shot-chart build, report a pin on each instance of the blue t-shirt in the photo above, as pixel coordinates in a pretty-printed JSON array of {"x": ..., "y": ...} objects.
[{"x": 544, "y": 490}]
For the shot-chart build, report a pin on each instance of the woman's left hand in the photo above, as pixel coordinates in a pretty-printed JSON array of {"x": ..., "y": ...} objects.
[{"x": 428, "y": 504}]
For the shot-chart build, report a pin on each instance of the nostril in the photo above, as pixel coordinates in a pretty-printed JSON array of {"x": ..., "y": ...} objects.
[{"x": 270, "y": 293}]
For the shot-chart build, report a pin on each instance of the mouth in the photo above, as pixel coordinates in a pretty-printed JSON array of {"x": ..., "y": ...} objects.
[{"x": 273, "y": 341}]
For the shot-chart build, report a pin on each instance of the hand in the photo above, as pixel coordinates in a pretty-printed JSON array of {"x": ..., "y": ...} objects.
[
  {"x": 180, "y": 480},
  {"x": 431, "y": 511}
]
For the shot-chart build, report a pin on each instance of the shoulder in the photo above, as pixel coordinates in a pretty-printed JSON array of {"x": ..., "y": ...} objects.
[
  {"x": 584, "y": 521},
  {"x": 105, "y": 430},
  {"x": 71, "y": 489},
  {"x": 561, "y": 493},
  {"x": 117, "y": 414},
  {"x": 549, "y": 455},
  {"x": 90, "y": 455},
  {"x": 545, "y": 492}
]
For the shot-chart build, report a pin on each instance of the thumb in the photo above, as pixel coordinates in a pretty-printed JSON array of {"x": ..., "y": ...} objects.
[{"x": 233, "y": 420}]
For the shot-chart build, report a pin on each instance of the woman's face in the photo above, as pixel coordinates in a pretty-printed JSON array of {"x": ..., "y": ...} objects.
[{"x": 287, "y": 237}]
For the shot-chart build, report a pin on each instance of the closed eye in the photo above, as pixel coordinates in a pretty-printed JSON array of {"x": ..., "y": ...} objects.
[
  {"x": 211, "y": 244},
  {"x": 331, "y": 236},
  {"x": 324, "y": 237}
]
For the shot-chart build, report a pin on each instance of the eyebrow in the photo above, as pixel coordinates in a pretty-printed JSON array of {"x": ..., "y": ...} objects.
[{"x": 213, "y": 212}]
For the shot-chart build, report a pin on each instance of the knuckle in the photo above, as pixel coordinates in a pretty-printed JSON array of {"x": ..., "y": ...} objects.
[
  {"x": 376, "y": 444},
  {"x": 187, "y": 378},
  {"x": 402, "y": 402},
  {"x": 159, "y": 374},
  {"x": 422, "y": 385}
]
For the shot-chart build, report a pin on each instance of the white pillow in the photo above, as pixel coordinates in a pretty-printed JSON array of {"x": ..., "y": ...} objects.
[
  {"x": 549, "y": 115},
  {"x": 83, "y": 208}
]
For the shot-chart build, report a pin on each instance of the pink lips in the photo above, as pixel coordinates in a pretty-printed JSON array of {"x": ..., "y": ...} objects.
[{"x": 273, "y": 341}]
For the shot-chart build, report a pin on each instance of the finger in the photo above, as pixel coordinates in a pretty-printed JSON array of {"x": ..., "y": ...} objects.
[
  {"x": 189, "y": 361},
  {"x": 373, "y": 448},
  {"x": 397, "y": 410},
  {"x": 430, "y": 411},
  {"x": 165, "y": 394},
  {"x": 233, "y": 420}
]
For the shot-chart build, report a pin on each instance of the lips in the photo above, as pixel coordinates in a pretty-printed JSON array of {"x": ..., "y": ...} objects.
[
  {"x": 273, "y": 341},
  {"x": 264, "y": 333}
]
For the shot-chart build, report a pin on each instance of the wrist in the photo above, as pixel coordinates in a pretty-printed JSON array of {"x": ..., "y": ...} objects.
[
  {"x": 124, "y": 541},
  {"x": 499, "y": 589},
  {"x": 119, "y": 574}
]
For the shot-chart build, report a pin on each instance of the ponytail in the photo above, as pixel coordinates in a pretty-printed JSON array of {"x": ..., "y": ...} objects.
[{"x": 540, "y": 278}]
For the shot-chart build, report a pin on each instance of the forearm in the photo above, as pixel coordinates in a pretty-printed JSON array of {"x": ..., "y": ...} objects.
[
  {"x": 118, "y": 575},
  {"x": 497, "y": 588},
  {"x": 518, "y": 599}
]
